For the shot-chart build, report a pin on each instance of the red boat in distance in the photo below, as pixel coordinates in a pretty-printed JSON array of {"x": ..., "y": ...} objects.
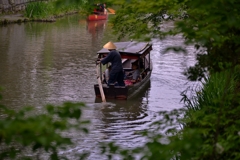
[
  {"x": 95, "y": 16},
  {"x": 100, "y": 13}
]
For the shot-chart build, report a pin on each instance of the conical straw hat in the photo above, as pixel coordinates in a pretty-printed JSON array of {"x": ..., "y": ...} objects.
[{"x": 109, "y": 45}]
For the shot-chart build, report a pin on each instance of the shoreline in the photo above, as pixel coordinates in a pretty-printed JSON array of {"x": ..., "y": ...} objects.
[
  {"x": 13, "y": 18},
  {"x": 19, "y": 18}
]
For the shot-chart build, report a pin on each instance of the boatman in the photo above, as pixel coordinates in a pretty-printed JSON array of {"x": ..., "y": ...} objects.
[{"x": 116, "y": 73}]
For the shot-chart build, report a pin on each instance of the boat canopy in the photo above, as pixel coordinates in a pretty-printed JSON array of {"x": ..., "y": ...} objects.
[{"x": 129, "y": 50}]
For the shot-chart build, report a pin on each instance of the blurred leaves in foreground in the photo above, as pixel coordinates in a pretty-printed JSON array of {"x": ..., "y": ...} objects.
[
  {"x": 44, "y": 132},
  {"x": 206, "y": 128}
]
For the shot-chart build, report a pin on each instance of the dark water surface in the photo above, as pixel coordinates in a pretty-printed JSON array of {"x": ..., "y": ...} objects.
[{"x": 43, "y": 63}]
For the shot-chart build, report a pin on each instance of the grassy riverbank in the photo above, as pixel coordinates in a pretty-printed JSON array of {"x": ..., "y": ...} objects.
[{"x": 40, "y": 11}]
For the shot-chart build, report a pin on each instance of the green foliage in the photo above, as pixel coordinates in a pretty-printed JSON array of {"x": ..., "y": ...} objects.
[
  {"x": 38, "y": 10},
  {"x": 140, "y": 19},
  {"x": 207, "y": 128},
  {"x": 213, "y": 27},
  {"x": 86, "y": 6},
  {"x": 61, "y": 7},
  {"x": 214, "y": 110},
  {"x": 39, "y": 131},
  {"x": 215, "y": 88},
  {"x": 148, "y": 15}
]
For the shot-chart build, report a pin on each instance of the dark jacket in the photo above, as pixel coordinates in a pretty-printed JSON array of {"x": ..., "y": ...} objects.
[{"x": 116, "y": 61}]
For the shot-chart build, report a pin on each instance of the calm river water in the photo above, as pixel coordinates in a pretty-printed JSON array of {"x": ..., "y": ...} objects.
[{"x": 42, "y": 63}]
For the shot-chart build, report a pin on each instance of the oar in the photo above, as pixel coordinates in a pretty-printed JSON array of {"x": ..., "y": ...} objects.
[
  {"x": 112, "y": 11},
  {"x": 100, "y": 85}
]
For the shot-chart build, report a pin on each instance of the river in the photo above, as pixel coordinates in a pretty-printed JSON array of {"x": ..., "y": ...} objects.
[{"x": 50, "y": 63}]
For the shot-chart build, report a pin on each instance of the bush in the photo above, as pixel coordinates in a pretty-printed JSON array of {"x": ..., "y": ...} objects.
[
  {"x": 38, "y": 10},
  {"x": 207, "y": 128},
  {"x": 38, "y": 132}
]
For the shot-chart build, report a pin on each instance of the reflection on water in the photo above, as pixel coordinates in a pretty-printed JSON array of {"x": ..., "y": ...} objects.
[
  {"x": 48, "y": 62},
  {"x": 96, "y": 29},
  {"x": 45, "y": 63}
]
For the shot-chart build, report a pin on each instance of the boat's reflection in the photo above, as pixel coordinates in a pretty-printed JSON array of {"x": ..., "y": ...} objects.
[
  {"x": 133, "y": 106},
  {"x": 96, "y": 29},
  {"x": 122, "y": 116}
]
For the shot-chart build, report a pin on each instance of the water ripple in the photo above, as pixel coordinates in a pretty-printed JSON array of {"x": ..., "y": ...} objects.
[{"x": 54, "y": 63}]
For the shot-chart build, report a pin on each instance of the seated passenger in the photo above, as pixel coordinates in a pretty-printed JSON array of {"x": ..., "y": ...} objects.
[
  {"x": 105, "y": 9},
  {"x": 100, "y": 7},
  {"x": 135, "y": 74},
  {"x": 106, "y": 74}
]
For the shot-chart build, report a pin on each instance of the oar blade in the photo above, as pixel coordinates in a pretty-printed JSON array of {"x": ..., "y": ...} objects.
[
  {"x": 112, "y": 11},
  {"x": 100, "y": 85}
]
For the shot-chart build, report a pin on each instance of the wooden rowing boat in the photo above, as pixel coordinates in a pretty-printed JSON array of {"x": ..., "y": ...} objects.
[{"x": 131, "y": 52}]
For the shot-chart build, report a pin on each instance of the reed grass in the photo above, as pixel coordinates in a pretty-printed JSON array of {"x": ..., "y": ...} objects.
[
  {"x": 214, "y": 89},
  {"x": 39, "y": 10},
  {"x": 216, "y": 95},
  {"x": 214, "y": 112}
]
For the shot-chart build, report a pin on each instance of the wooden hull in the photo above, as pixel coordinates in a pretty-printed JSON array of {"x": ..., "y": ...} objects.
[
  {"x": 131, "y": 52},
  {"x": 117, "y": 92},
  {"x": 95, "y": 17}
]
